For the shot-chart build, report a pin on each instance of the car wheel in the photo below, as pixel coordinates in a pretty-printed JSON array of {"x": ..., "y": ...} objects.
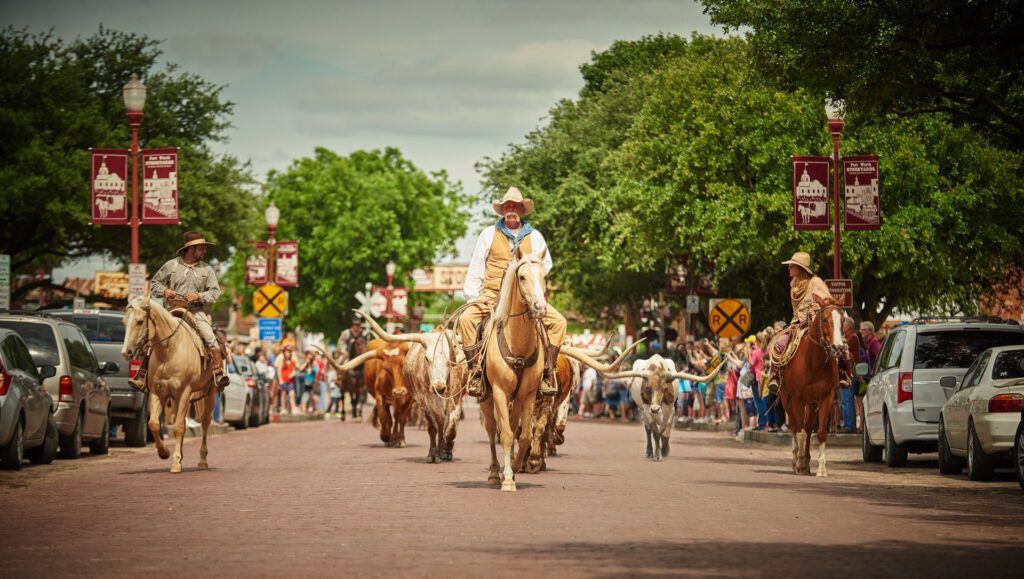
[
  {"x": 13, "y": 454},
  {"x": 980, "y": 466},
  {"x": 254, "y": 417},
  {"x": 46, "y": 452},
  {"x": 71, "y": 445},
  {"x": 1018, "y": 455},
  {"x": 102, "y": 444},
  {"x": 948, "y": 462},
  {"x": 135, "y": 429},
  {"x": 869, "y": 452},
  {"x": 244, "y": 422},
  {"x": 895, "y": 455}
]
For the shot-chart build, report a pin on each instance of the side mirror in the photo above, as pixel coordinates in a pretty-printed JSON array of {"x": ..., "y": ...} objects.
[
  {"x": 110, "y": 368},
  {"x": 47, "y": 372},
  {"x": 862, "y": 369},
  {"x": 947, "y": 381}
]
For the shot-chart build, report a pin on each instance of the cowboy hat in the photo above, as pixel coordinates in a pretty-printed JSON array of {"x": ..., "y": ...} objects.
[
  {"x": 513, "y": 196},
  {"x": 801, "y": 259},
  {"x": 192, "y": 239}
]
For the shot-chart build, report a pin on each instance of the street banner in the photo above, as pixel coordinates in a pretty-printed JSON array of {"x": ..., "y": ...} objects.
[
  {"x": 160, "y": 186},
  {"x": 287, "y": 264},
  {"x": 841, "y": 290},
  {"x": 810, "y": 193},
  {"x": 136, "y": 280},
  {"x": 863, "y": 204},
  {"x": 5, "y": 281},
  {"x": 256, "y": 266},
  {"x": 109, "y": 187}
]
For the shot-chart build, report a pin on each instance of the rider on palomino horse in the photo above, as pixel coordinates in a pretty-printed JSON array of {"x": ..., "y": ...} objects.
[
  {"x": 188, "y": 277},
  {"x": 495, "y": 248},
  {"x": 804, "y": 286}
]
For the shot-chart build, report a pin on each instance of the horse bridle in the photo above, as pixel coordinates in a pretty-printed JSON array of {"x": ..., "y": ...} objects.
[
  {"x": 144, "y": 345},
  {"x": 529, "y": 309},
  {"x": 833, "y": 351}
]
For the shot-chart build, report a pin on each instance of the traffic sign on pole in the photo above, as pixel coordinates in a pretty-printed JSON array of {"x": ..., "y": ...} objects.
[
  {"x": 5, "y": 281},
  {"x": 729, "y": 318},
  {"x": 841, "y": 290},
  {"x": 270, "y": 301},
  {"x": 270, "y": 329}
]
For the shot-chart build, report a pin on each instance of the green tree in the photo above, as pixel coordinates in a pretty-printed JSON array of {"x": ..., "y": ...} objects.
[
  {"x": 351, "y": 215},
  {"x": 57, "y": 100},
  {"x": 885, "y": 56}
]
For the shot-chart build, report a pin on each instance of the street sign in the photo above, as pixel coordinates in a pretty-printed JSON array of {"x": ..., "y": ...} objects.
[
  {"x": 270, "y": 329},
  {"x": 5, "y": 281},
  {"x": 729, "y": 318},
  {"x": 810, "y": 193},
  {"x": 860, "y": 182},
  {"x": 399, "y": 302},
  {"x": 111, "y": 284},
  {"x": 136, "y": 279},
  {"x": 78, "y": 303},
  {"x": 692, "y": 304},
  {"x": 440, "y": 278},
  {"x": 841, "y": 290},
  {"x": 270, "y": 301}
]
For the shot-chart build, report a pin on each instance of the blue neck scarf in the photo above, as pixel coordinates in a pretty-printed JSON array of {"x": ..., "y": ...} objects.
[{"x": 525, "y": 230}]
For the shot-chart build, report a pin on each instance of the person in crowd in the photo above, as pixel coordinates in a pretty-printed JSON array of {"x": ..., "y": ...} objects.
[
  {"x": 732, "y": 375},
  {"x": 684, "y": 396},
  {"x": 588, "y": 383},
  {"x": 307, "y": 394},
  {"x": 757, "y": 367},
  {"x": 285, "y": 366},
  {"x": 848, "y": 395},
  {"x": 611, "y": 390}
]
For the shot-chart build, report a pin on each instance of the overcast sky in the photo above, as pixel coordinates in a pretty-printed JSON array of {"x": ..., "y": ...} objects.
[{"x": 448, "y": 82}]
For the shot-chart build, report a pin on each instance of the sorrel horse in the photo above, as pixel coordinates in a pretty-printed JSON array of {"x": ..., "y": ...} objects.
[
  {"x": 809, "y": 383},
  {"x": 176, "y": 371}
]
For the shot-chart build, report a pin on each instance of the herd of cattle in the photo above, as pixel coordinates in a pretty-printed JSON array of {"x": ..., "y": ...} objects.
[{"x": 403, "y": 372}]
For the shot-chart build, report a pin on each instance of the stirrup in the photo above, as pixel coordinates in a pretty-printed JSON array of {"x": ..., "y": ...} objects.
[
  {"x": 138, "y": 382},
  {"x": 475, "y": 386},
  {"x": 547, "y": 388},
  {"x": 222, "y": 381}
]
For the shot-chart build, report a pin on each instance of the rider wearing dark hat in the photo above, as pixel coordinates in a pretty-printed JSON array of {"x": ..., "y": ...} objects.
[
  {"x": 348, "y": 336},
  {"x": 189, "y": 278}
]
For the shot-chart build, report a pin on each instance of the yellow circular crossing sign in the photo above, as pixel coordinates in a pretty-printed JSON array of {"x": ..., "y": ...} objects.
[
  {"x": 728, "y": 318},
  {"x": 270, "y": 301}
]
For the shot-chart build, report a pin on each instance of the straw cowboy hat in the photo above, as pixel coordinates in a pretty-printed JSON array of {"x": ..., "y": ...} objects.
[
  {"x": 513, "y": 196},
  {"x": 191, "y": 239},
  {"x": 802, "y": 259}
]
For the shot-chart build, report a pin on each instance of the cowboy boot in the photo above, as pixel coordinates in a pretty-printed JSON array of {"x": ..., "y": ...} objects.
[
  {"x": 139, "y": 381},
  {"x": 773, "y": 381},
  {"x": 217, "y": 365},
  {"x": 549, "y": 386},
  {"x": 475, "y": 380}
]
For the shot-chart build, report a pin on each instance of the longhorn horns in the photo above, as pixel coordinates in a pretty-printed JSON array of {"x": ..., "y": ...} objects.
[
  {"x": 586, "y": 358},
  {"x": 384, "y": 335},
  {"x": 351, "y": 364}
]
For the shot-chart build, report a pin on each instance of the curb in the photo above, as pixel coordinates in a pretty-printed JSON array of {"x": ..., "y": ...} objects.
[
  {"x": 297, "y": 417},
  {"x": 786, "y": 439}
]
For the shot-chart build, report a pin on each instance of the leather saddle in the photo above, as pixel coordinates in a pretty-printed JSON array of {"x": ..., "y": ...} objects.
[{"x": 178, "y": 308}]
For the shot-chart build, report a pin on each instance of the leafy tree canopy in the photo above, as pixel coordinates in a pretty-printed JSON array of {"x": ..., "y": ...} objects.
[
  {"x": 687, "y": 162},
  {"x": 889, "y": 56},
  {"x": 58, "y": 99},
  {"x": 351, "y": 215}
]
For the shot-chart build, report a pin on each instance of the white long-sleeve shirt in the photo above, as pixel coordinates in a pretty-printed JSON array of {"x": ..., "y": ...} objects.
[{"x": 474, "y": 285}]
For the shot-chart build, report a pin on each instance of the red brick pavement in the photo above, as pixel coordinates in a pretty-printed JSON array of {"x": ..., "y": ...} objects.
[{"x": 327, "y": 499}]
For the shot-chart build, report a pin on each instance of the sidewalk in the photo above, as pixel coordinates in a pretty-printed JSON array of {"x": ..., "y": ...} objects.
[{"x": 763, "y": 437}]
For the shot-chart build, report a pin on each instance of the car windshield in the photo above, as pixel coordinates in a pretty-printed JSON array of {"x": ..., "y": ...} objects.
[
  {"x": 95, "y": 327},
  {"x": 40, "y": 341},
  {"x": 1008, "y": 365},
  {"x": 959, "y": 348}
]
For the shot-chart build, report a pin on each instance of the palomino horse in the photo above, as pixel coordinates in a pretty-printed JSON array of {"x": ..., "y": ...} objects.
[
  {"x": 176, "y": 371},
  {"x": 810, "y": 380},
  {"x": 515, "y": 374}
]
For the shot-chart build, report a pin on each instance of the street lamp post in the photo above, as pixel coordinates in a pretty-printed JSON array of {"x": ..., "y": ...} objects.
[
  {"x": 272, "y": 216},
  {"x": 390, "y": 270},
  {"x": 134, "y": 100},
  {"x": 834, "y": 109}
]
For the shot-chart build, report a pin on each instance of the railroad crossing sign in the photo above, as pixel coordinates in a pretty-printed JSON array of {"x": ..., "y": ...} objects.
[
  {"x": 729, "y": 318},
  {"x": 270, "y": 301}
]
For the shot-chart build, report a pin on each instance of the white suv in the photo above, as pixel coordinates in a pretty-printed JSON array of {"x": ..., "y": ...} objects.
[{"x": 904, "y": 397}]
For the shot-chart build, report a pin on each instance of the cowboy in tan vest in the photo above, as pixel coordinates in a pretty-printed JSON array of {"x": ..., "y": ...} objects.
[
  {"x": 189, "y": 278},
  {"x": 804, "y": 286},
  {"x": 494, "y": 250}
]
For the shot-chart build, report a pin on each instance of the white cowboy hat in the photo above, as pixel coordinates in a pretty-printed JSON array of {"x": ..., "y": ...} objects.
[
  {"x": 193, "y": 238},
  {"x": 513, "y": 195},
  {"x": 801, "y": 259}
]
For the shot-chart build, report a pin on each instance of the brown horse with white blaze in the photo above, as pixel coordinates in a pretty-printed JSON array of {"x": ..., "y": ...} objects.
[{"x": 809, "y": 383}]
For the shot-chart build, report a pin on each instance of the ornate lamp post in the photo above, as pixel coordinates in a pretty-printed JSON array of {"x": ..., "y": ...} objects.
[
  {"x": 134, "y": 101},
  {"x": 835, "y": 109},
  {"x": 272, "y": 216}
]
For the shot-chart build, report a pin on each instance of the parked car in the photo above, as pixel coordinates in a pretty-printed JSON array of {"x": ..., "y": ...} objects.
[
  {"x": 259, "y": 414},
  {"x": 978, "y": 424},
  {"x": 904, "y": 397},
  {"x": 1018, "y": 451},
  {"x": 27, "y": 428},
  {"x": 237, "y": 407},
  {"x": 129, "y": 408},
  {"x": 82, "y": 413}
]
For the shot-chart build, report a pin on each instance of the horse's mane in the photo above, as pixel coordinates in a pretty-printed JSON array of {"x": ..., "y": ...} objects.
[{"x": 159, "y": 313}]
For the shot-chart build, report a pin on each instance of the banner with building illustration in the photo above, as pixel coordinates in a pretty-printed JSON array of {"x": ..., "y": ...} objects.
[
  {"x": 287, "y": 266},
  {"x": 256, "y": 269},
  {"x": 810, "y": 193},
  {"x": 109, "y": 187},
  {"x": 160, "y": 186},
  {"x": 863, "y": 204}
]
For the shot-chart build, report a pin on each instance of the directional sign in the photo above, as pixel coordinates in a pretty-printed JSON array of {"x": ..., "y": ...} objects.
[
  {"x": 270, "y": 301},
  {"x": 692, "y": 304},
  {"x": 729, "y": 318},
  {"x": 270, "y": 329},
  {"x": 841, "y": 290}
]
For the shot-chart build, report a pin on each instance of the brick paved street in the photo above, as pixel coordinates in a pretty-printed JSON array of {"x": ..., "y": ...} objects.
[{"x": 325, "y": 498}]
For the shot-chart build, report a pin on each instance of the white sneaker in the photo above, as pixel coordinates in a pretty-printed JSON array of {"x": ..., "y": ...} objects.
[{"x": 191, "y": 423}]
